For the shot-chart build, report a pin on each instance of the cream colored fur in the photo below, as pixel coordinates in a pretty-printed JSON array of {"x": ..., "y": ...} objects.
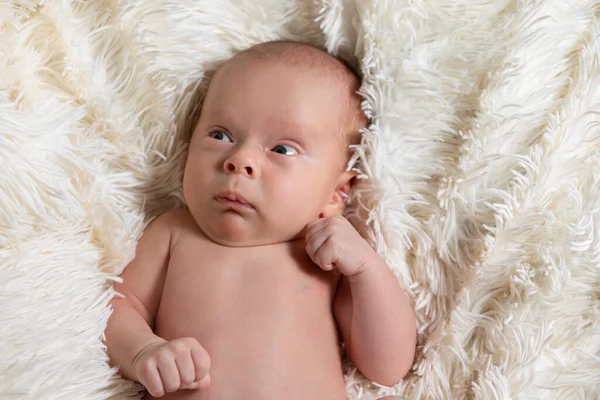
[{"x": 483, "y": 167}]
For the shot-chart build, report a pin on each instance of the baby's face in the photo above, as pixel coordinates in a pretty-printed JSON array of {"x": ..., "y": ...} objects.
[{"x": 267, "y": 153}]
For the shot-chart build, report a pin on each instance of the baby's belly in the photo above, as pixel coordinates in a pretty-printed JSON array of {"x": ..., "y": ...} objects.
[{"x": 268, "y": 329}]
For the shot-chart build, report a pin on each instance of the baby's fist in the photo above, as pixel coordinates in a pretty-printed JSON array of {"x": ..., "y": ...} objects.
[
  {"x": 169, "y": 366},
  {"x": 333, "y": 242}
]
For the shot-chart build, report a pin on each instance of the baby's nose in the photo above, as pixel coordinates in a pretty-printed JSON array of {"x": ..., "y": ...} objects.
[
  {"x": 231, "y": 167},
  {"x": 244, "y": 161}
]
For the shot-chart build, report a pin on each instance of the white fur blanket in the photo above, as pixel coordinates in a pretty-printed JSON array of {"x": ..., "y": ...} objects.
[{"x": 483, "y": 160}]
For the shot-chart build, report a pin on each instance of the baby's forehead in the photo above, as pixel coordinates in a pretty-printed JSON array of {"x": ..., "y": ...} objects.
[
  {"x": 301, "y": 55},
  {"x": 320, "y": 68}
]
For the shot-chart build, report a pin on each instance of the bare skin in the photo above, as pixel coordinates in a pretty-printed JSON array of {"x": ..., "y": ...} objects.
[
  {"x": 248, "y": 292},
  {"x": 265, "y": 340}
]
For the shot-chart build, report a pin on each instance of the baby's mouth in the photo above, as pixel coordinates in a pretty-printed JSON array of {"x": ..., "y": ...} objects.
[{"x": 233, "y": 199}]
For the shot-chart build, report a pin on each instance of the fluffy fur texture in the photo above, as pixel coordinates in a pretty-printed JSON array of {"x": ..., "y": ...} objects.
[{"x": 482, "y": 161}]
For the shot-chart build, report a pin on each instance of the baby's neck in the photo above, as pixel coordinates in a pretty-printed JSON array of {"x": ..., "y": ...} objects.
[{"x": 257, "y": 242}]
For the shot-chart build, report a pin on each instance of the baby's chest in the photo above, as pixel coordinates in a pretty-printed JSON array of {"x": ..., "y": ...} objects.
[{"x": 215, "y": 281}]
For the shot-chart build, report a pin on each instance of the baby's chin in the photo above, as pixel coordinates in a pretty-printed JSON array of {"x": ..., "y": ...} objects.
[{"x": 232, "y": 230}]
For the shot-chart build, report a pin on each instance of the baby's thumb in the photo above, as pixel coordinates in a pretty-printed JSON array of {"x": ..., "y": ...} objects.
[{"x": 202, "y": 383}]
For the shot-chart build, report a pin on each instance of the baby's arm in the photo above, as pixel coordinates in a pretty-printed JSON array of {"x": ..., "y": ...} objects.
[
  {"x": 376, "y": 320},
  {"x": 129, "y": 328}
]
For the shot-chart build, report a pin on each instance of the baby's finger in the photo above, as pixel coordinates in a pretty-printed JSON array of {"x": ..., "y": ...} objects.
[
  {"x": 314, "y": 227},
  {"x": 201, "y": 361},
  {"x": 150, "y": 378},
  {"x": 315, "y": 242},
  {"x": 324, "y": 257},
  {"x": 168, "y": 373},
  {"x": 185, "y": 366},
  {"x": 204, "y": 382}
]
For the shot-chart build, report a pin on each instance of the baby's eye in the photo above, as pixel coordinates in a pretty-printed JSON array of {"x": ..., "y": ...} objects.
[
  {"x": 285, "y": 150},
  {"x": 220, "y": 135}
]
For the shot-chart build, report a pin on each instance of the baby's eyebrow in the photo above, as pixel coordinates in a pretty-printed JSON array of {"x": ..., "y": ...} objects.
[
  {"x": 290, "y": 126},
  {"x": 220, "y": 114},
  {"x": 278, "y": 128},
  {"x": 225, "y": 119},
  {"x": 291, "y": 130}
]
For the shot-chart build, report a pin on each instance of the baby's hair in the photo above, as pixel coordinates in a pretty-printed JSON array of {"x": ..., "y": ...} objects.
[{"x": 299, "y": 53}]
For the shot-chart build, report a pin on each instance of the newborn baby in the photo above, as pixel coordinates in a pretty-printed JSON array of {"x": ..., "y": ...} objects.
[{"x": 248, "y": 292}]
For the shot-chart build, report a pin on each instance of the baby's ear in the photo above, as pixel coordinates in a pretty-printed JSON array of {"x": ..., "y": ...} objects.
[{"x": 337, "y": 203}]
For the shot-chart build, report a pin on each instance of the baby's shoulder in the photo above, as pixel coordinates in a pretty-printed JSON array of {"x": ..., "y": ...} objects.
[
  {"x": 176, "y": 216},
  {"x": 176, "y": 221},
  {"x": 168, "y": 220}
]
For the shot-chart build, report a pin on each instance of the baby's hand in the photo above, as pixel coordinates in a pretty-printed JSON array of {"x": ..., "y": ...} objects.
[
  {"x": 168, "y": 366},
  {"x": 333, "y": 242}
]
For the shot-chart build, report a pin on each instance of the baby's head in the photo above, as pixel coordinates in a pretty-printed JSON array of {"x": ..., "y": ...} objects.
[{"x": 270, "y": 149}]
